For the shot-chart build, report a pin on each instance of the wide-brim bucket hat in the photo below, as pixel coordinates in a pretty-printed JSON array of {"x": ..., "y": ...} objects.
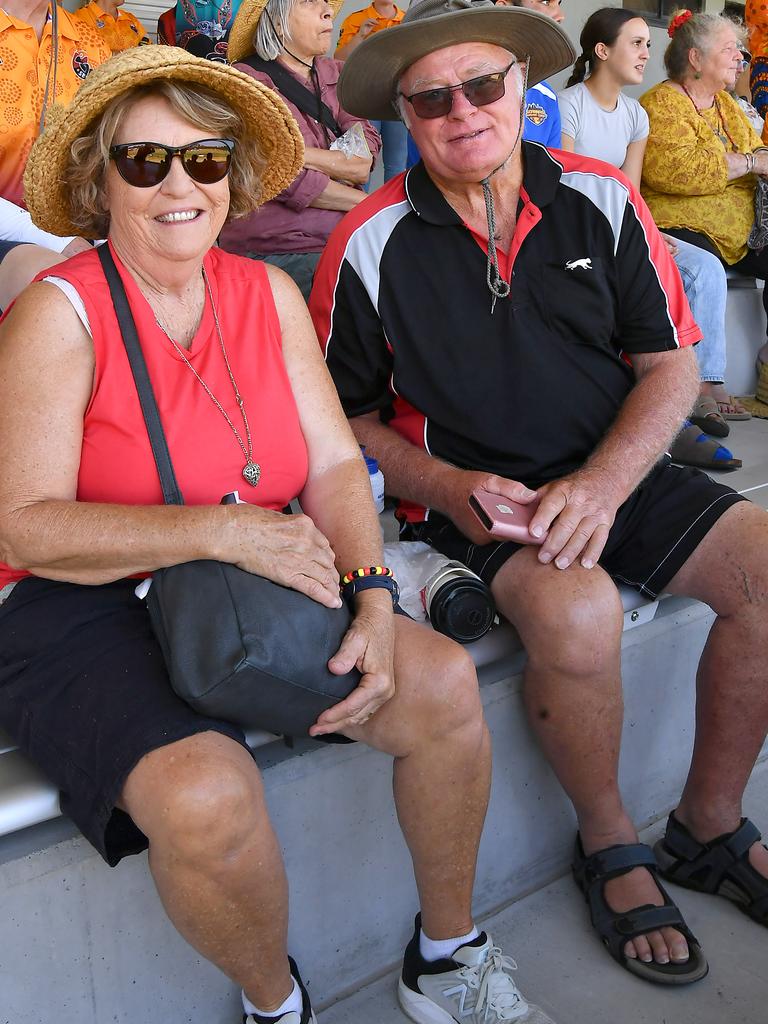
[
  {"x": 370, "y": 75},
  {"x": 244, "y": 26},
  {"x": 265, "y": 116}
]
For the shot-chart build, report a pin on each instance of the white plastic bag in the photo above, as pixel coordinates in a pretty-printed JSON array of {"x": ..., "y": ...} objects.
[
  {"x": 413, "y": 563},
  {"x": 353, "y": 142}
]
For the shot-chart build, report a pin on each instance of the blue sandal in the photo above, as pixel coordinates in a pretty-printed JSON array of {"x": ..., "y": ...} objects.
[{"x": 616, "y": 927}]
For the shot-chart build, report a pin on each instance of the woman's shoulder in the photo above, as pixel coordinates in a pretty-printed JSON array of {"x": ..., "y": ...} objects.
[
  {"x": 633, "y": 109},
  {"x": 328, "y": 69},
  {"x": 661, "y": 95},
  {"x": 260, "y": 76},
  {"x": 227, "y": 266},
  {"x": 729, "y": 105},
  {"x": 573, "y": 94}
]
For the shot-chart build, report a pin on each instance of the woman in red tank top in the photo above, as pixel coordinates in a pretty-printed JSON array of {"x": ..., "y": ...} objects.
[{"x": 246, "y": 403}]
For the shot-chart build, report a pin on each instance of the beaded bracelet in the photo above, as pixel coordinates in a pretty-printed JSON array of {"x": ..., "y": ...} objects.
[
  {"x": 367, "y": 570},
  {"x": 360, "y": 583}
]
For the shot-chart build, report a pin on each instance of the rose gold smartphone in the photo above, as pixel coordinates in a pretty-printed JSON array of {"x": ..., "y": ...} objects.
[{"x": 504, "y": 518}]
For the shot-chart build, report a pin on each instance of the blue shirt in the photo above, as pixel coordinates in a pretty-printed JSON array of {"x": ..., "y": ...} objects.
[
  {"x": 541, "y": 122},
  {"x": 542, "y": 116}
]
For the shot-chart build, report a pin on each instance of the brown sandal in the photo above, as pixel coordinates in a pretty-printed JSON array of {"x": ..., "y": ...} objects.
[
  {"x": 707, "y": 417},
  {"x": 693, "y": 448}
]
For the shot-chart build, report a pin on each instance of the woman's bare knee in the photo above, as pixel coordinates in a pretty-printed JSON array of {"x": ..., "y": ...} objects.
[{"x": 201, "y": 795}]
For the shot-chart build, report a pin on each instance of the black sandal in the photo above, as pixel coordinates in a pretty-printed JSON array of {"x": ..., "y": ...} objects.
[
  {"x": 720, "y": 866},
  {"x": 616, "y": 927}
]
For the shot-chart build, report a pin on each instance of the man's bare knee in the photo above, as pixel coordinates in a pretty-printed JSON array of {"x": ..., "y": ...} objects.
[{"x": 568, "y": 619}]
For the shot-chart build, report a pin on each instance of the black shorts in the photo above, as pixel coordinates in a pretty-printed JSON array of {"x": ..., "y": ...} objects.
[
  {"x": 5, "y": 248},
  {"x": 655, "y": 531},
  {"x": 85, "y": 693}
]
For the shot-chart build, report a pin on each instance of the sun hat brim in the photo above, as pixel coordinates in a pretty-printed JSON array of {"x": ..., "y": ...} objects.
[
  {"x": 243, "y": 29},
  {"x": 266, "y": 117},
  {"x": 370, "y": 75}
]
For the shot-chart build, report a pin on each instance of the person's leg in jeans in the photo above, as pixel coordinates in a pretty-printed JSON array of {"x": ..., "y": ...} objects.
[
  {"x": 394, "y": 137},
  {"x": 394, "y": 146},
  {"x": 706, "y": 289},
  {"x": 301, "y": 266},
  {"x": 754, "y": 264}
]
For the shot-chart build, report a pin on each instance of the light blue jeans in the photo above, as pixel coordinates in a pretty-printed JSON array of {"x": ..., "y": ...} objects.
[
  {"x": 394, "y": 144},
  {"x": 706, "y": 290}
]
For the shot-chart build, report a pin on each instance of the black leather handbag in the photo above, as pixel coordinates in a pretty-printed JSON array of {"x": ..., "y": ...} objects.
[{"x": 237, "y": 646}]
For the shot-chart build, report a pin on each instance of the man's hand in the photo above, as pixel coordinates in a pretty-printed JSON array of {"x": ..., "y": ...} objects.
[
  {"x": 578, "y": 511},
  {"x": 366, "y": 28},
  {"x": 461, "y": 487},
  {"x": 369, "y": 645},
  {"x": 671, "y": 244}
]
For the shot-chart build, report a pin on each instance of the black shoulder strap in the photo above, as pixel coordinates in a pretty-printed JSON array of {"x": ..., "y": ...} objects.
[
  {"x": 293, "y": 90},
  {"x": 171, "y": 493}
]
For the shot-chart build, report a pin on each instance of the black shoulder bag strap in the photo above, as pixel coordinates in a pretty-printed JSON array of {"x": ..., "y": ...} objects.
[
  {"x": 301, "y": 97},
  {"x": 171, "y": 492}
]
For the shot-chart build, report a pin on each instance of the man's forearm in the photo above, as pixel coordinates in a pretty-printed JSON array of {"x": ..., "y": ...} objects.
[
  {"x": 647, "y": 422},
  {"x": 409, "y": 472}
]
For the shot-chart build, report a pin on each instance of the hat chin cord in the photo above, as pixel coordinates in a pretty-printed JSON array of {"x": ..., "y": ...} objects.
[{"x": 498, "y": 287}]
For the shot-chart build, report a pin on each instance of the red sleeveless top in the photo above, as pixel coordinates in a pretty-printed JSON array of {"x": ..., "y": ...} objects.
[{"x": 116, "y": 464}]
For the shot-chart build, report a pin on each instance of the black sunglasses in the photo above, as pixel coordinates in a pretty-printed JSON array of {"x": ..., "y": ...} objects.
[
  {"x": 478, "y": 91},
  {"x": 144, "y": 164}
]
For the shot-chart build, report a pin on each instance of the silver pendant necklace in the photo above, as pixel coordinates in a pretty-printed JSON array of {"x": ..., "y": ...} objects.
[{"x": 251, "y": 470}]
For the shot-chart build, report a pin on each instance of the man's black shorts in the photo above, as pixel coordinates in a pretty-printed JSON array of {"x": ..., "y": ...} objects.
[{"x": 655, "y": 531}]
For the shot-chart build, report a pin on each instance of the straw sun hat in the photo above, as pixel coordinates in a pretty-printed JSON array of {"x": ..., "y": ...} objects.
[
  {"x": 371, "y": 72},
  {"x": 266, "y": 117},
  {"x": 243, "y": 29}
]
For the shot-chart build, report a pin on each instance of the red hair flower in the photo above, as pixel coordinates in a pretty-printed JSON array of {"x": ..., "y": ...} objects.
[{"x": 677, "y": 21}]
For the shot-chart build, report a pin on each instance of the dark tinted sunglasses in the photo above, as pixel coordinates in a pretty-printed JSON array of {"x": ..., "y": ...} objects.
[
  {"x": 144, "y": 164},
  {"x": 478, "y": 91}
]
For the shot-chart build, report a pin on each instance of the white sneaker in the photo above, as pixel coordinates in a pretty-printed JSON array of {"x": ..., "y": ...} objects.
[
  {"x": 292, "y": 1017},
  {"x": 474, "y": 986}
]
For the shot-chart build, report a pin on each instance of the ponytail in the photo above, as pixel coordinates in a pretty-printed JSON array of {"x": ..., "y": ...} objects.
[{"x": 579, "y": 70}]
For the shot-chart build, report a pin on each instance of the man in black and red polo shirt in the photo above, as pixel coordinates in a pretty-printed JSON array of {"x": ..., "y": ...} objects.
[{"x": 554, "y": 367}]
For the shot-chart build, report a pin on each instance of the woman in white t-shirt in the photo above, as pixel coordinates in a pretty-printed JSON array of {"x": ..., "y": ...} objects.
[{"x": 599, "y": 121}]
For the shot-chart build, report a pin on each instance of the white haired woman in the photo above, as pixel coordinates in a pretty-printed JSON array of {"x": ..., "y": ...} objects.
[
  {"x": 156, "y": 152},
  {"x": 703, "y": 156},
  {"x": 282, "y": 44}
]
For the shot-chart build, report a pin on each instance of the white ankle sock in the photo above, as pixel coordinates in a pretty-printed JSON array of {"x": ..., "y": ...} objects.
[
  {"x": 293, "y": 1002},
  {"x": 437, "y": 949}
]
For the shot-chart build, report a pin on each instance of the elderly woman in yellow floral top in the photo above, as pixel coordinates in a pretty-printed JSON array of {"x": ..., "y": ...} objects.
[{"x": 702, "y": 157}]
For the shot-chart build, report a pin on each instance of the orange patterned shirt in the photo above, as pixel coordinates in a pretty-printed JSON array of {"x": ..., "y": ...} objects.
[
  {"x": 120, "y": 33},
  {"x": 24, "y": 65},
  {"x": 756, "y": 17},
  {"x": 351, "y": 24}
]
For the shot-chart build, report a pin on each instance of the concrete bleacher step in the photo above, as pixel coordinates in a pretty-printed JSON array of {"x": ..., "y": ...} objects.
[
  {"x": 744, "y": 331},
  {"x": 564, "y": 969}
]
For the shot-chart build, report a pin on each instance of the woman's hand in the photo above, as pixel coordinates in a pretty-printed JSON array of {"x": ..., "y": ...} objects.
[
  {"x": 289, "y": 550},
  {"x": 369, "y": 646},
  {"x": 761, "y": 162},
  {"x": 349, "y": 170},
  {"x": 671, "y": 244}
]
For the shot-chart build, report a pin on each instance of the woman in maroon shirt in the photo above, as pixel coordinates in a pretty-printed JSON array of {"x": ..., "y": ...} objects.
[{"x": 286, "y": 40}]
